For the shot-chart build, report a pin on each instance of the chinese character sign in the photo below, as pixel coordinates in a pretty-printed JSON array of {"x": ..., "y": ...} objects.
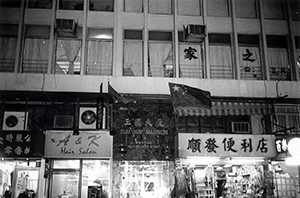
[
  {"x": 85, "y": 145},
  {"x": 16, "y": 144},
  {"x": 226, "y": 145}
]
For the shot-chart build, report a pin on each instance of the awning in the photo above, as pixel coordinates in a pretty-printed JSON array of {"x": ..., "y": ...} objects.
[{"x": 229, "y": 108}]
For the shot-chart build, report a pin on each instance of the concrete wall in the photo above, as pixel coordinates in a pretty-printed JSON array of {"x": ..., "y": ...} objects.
[{"x": 147, "y": 85}]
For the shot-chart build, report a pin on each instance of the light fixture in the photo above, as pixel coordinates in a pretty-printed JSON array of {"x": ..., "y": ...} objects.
[
  {"x": 291, "y": 161},
  {"x": 293, "y": 147}
]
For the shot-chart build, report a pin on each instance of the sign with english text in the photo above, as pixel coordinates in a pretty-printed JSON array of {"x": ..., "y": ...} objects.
[
  {"x": 225, "y": 145},
  {"x": 88, "y": 144}
]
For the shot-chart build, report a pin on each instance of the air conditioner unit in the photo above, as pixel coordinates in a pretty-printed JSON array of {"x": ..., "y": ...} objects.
[
  {"x": 66, "y": 27},
  {"x": 87, "y": 117},
  {"x": 194, "y": 33},
  {"x": 240, "y": 127},
  {"x": 63, "y": 121},
  {"x": 14, "y": 120}
]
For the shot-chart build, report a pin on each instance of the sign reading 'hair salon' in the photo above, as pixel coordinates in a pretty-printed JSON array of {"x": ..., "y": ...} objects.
[{"x": 85, "y": 145}]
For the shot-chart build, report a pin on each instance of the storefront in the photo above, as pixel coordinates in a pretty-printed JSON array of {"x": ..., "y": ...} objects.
[
  {"x": 223, "y": 165},
  {"x": 79, "y": 165},
  {"x": 143, "y": 150},
  {"x": 21, "y": 165},
  {"x": 286, "y": 166}
]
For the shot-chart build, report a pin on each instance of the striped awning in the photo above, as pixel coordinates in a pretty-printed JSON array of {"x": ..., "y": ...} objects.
[{"x": 228, "y": 108}]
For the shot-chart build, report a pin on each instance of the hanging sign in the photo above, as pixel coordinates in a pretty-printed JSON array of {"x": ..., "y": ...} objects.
[
  {"x": 225, "y": 145},
  {"x": 88, "y": 144}
]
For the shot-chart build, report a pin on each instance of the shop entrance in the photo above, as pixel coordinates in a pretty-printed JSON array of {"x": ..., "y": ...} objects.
[
  {"x": 80, "y": 179},
  {"x": 216, "y": 181}
]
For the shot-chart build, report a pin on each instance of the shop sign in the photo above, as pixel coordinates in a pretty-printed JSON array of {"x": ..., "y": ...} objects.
[
  {"x": 225, "y": 145},
  {"x": 88, "y": 144},
  {"x": 287, "y": 146},
  {"x": 17, "y": 144}
]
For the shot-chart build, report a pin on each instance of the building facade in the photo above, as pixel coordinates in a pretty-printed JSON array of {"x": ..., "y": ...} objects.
[{"x": 58, "y": 58}]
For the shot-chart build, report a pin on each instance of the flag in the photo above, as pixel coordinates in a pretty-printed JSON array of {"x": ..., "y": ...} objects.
[
  {"x": 117, "y": 97},
  {"x": 189, "y": 98}
]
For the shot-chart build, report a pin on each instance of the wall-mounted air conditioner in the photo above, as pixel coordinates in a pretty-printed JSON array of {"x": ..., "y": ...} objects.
[
  {"x": 194, "y": 33},
  {"x": 63, "y": 121},
  {"x": 66, "y": 27},
  {"x": 87, "y": 117},
  {"x": 15, "y": 120},
  {"x": 240, "y": 127}
]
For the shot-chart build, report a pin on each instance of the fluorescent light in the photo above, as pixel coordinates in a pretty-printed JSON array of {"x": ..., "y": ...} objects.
[{"x": 291, "y": 161}]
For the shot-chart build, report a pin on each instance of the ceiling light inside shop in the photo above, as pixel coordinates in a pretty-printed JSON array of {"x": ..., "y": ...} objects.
[{"x": 291, "y": 161}]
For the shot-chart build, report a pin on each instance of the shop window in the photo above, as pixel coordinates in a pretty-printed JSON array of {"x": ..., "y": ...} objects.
[
  {"x": 10, "y": 3},
  {"x": 295, "y": 9},
  {"x": 42, "y": 4},
  {"x": 249, "y": 57},
  {"x": 133, "y": 6},
  {"x": 8, "y": 45},
  {"x": 160, "y": 54},
  {"x": 220, "y": 57},
  {"x": 102, "y": 5},
  {"x": 245, "y": 9},
  {"x": 189, "y": 7},
  {"x": 144, "y": 178},
  {"x": 273, "y": 9},
  {"x": 93, "y": 174},
  {"x": 278, "y": 58},
  {"x": 133, "y": 53},
  {"x": 217, "y": 8},
  {"x": 71, "y": 5},
  {"x": 160, "y": 7},
  {"x": 100, "y": 52},
  {"x": 36, "y": 49}
]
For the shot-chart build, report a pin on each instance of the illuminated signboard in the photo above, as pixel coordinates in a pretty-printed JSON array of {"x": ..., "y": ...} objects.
[
  {"x": 225, "y": 145},
  {"x": 88, "y": 144}
]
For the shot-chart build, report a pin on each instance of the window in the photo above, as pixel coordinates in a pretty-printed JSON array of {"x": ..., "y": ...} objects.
[
  {"x": 160, "y": 54},
  {"x": 36, "y": 49},
  {"x": 102, "y": 5},
  {"x": 220, "y": 56},
  {"x": 133, "y": 53},
  {"x": 286, "y": 120},
  {"x": 249, "y": 57},
  {"x": 189, "y": 7},
  {"x": 245, "y": 9},
  {"x": 8, "y": 45},
  {"x": 100, "y": 52},
  {"x": 160, "y": 7},
  {"x": 42, "y": 4},
  {"x": 10, "y": 3},
  {"x": 278, "y": 60},
  {"x": 217, "y": 8},
  {"x": 71, "y": 5},
  {"x": 297, "y": 42},
  {"x": 273, "y": 9},
  {"x": 295, "y": 9},
  {"x": 190, "y": 59},
  {"x": 133, "y": 6}
]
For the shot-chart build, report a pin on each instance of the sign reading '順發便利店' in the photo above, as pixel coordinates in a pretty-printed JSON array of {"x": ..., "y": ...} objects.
[
  {"x": 225, "y": 145},
  {"x": 96, "y": 144}
]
